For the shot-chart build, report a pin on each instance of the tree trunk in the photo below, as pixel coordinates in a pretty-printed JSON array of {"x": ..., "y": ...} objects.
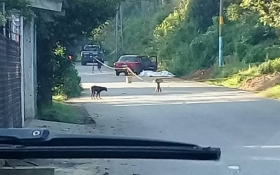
[{"x": 44, "y": 73}]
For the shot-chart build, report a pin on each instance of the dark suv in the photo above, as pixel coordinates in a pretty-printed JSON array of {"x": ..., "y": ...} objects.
[{"x": 89, "y": 52}]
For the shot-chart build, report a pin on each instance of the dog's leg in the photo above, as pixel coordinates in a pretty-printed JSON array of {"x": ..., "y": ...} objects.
[
  {"x": 99, "y": 95},
  {"x": 91, "y": 95},
  {"x": 157, "y": 89},
  {"x": 96, "y": 96}
]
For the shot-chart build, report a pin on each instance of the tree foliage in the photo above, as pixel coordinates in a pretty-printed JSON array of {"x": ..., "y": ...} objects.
[
  {"x": 21, "y": 6},
  {"x": 184, "y": 35},
  {"x": 269, "y": 10},
  {"x": 56, "y": 34}
]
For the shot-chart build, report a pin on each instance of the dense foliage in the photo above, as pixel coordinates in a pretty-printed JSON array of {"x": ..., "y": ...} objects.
[
  {"x": 269, "y": 10},
  {"x": 56, "y": 35},
  {"x": 184, "y": 33}
]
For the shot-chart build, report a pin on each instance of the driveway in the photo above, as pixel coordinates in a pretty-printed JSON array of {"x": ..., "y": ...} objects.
[{"x": 245, "y": 126}]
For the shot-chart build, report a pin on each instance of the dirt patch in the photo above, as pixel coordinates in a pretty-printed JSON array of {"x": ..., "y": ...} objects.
[
  {"x": 261, "y": 83},
  {"x": 200, "y": 75}
]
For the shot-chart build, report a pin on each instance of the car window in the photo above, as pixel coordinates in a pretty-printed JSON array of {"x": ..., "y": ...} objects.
[
  {"x": 145, "y": 59},
  {"x": 128, "y": 58},
  {"x": 91, "y": 48}
]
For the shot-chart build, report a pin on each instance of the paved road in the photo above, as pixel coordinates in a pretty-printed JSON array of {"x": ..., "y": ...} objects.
[{"x": 239, "y": 122}]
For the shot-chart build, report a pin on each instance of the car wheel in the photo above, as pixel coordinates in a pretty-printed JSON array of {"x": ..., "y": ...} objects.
[
  {"x": 83, "y": 63},
  {"x": 117, "y": 73}
]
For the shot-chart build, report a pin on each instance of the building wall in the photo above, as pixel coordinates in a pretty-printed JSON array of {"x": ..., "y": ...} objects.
[{"x": 10, "y": 84}]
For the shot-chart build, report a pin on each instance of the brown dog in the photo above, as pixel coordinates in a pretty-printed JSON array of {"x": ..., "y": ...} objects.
[
  {"x": 98, "y": 90},
  {"x": 158, "y": 81}
]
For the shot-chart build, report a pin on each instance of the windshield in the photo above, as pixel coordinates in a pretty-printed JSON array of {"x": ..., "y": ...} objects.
[
  {"x": 91, "y": 48},
  {"x": 128, "y": 59},
  {"x": 209, "y": 76}
]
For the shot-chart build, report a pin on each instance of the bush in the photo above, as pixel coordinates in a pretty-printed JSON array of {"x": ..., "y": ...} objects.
[
  {"x": 270, "y": 66},
  {"x": 232, "y": 67},
  {"x": 70, "y": 85},
  {"x": 66, "y": 80},
  {"x": 273, "y": 92}
]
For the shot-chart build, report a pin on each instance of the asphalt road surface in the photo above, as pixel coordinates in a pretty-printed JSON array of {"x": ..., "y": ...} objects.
[{"x": 245, "y": 126}]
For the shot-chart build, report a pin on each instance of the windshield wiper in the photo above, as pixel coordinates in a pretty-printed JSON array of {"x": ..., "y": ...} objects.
[{"x": 41, "y": 143}]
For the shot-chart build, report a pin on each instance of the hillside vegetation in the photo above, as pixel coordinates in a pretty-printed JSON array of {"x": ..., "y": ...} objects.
[{"x": 184, "y": 35}]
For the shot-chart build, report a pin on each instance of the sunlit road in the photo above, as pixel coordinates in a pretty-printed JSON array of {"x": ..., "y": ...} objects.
[{"x": 236, "y": 121}]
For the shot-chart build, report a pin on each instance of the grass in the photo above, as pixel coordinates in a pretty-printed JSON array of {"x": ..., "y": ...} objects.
[
  {"x": 236, "y": 80},
  {"x": 234, "y": 75},
  {"x": 60, "y": 112},
  {"x": 273, "y": 92}
]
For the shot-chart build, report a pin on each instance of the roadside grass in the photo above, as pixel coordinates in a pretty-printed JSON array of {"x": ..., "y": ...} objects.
[
  {"x": 273, "y": 92},
  {"x": 235, "y": 80},
  {"x": 60, "y": 111},
  {"x": 234, "y": 75}
]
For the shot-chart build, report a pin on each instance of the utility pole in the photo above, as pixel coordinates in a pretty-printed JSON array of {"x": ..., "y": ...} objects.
[
  {"x": 117, "y": 34},
  {"x": 121, "y": 19},
  {"x": 221, "y": 22}
]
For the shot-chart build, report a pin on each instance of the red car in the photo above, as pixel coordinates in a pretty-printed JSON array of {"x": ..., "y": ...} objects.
[
  {"x": 131, "y": 61},
  {"x": 136, "y": 63}
]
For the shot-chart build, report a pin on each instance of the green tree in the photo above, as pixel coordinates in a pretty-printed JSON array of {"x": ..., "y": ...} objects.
[
  {"x": 269, "y": 11},
  {"x": 56, "y": 33},
  {"x": 184, "y": 34}
]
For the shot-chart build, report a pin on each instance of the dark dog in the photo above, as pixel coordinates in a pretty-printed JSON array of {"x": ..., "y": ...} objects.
[
  {"x": 158, "y": 81},
  {"x": 97, "y": 89}
]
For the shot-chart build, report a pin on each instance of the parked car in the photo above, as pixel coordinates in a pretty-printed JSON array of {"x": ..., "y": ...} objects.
[
  {"x": 136, "y": 63},
  {"x": 89, "y": 52}
]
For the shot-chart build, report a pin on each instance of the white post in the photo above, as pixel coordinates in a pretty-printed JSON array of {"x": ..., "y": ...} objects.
[
  {"x": 35, "y": 69},
  {"x": 28, "y": 66}
]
